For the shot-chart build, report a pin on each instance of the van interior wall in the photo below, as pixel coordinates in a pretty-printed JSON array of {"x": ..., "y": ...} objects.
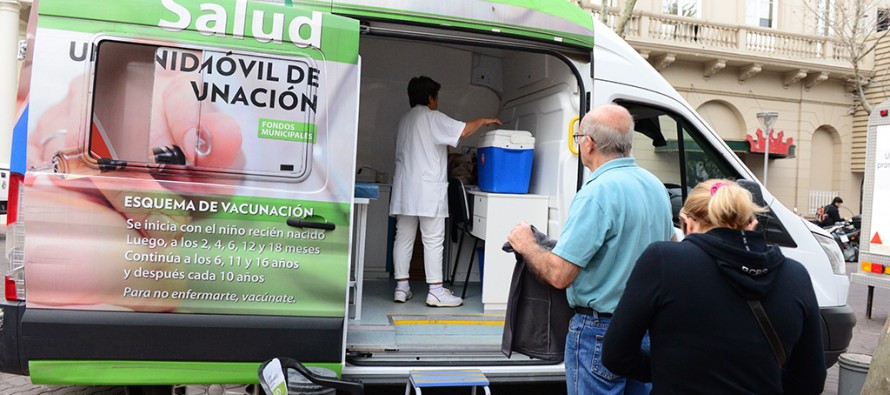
[
  {"x": 533, "y": 92},
  {"x": 527, "y": 91},
  {"x": 541, "y": 95},
  {"x": 387, "y": 66}
]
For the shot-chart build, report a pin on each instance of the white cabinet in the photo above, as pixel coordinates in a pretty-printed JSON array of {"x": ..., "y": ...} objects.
[{"x": 494, "y": 216}]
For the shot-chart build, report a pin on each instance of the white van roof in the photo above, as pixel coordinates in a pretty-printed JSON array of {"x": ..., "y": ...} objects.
[
  {"x": 546, "y": 20},
  {"x": 615, "y": 60}
]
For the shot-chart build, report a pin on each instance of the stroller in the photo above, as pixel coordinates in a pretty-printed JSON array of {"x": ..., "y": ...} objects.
[{"x": 280, "y": 376}]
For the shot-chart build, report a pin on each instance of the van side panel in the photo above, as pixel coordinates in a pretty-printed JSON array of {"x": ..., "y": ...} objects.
[
  {"x": 104, "y": 335},
  {"x": 188, "y": 195}
]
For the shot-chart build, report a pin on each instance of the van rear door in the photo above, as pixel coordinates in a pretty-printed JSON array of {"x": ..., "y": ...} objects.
[{"x": 188, "y": 206}]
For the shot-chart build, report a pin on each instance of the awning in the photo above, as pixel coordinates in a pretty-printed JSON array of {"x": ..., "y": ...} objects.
[{"x": 778, "y": 149}]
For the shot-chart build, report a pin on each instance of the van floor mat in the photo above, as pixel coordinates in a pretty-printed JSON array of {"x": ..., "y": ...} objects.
[
  {"x": 385, "y": 325},
  {"x": 448, "y": 325}
]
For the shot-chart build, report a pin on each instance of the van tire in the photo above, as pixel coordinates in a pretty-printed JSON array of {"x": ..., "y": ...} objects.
[{"x": 149, "y": 390}]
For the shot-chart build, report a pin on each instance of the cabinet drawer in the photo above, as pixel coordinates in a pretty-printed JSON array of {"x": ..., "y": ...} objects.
[
  {"x": 480, "y": 206},
  {"x": 479, "y": 225}
]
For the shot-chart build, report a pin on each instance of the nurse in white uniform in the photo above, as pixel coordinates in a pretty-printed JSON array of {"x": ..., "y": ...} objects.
[{"x": 420, "y": 186}]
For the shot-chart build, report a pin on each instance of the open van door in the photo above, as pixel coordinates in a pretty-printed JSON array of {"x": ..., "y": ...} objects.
[{"x": 189, "y": 190}]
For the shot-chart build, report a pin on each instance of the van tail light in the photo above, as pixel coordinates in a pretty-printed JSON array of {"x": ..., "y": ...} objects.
[
  {"x": 11, "y": 292},
  {"x": 14, "y": 283},
  {"x": 16, "y": 184}
]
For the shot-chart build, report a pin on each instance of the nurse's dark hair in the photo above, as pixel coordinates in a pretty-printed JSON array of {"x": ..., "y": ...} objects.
[{"x": 420, "y": 89}]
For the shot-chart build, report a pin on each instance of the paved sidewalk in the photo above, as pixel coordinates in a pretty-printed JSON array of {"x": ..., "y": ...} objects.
[{"x": 19, "y": 385}]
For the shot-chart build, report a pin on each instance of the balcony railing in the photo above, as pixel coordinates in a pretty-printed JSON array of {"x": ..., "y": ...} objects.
[{"x": 695, "y": 35}]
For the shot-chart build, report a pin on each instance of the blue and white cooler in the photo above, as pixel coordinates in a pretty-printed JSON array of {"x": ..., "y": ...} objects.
[{"x": 505, "y": 161}]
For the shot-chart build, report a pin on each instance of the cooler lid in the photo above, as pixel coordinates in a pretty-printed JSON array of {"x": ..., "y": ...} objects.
[{"x": 512, "y": 139}]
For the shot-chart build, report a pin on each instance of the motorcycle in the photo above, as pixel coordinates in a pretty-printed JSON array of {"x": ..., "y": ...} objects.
[{"x": 846, "y": 234}]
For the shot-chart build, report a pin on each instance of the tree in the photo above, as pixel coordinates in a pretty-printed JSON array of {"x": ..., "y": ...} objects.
[
  {"x": 878, "y": 380},
  {"x": 858, "y": 27},
  {"x": 623, "y": 17}
]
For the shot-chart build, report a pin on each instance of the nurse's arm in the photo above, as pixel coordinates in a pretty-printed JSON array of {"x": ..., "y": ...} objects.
[{"x": 474, "y": 125}]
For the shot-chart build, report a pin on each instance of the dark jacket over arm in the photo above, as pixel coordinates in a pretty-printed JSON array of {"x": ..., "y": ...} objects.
[{"x": 538, "y": 314}]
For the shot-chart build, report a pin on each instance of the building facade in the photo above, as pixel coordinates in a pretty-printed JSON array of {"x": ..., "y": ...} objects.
[{"x": 732, "y": 59}]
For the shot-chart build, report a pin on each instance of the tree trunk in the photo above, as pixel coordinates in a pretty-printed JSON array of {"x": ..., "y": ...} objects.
[
  {"x": 878, "y": 380},
  {"x": 626, "y": 13},
  {"x": 604, "y": 12}
]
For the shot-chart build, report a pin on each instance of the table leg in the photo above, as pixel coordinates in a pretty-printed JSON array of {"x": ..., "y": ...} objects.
[{"x": 361, "y": 229}]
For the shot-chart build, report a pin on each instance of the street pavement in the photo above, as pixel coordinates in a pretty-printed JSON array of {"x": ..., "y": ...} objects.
[{"x": 865, "y": 339}]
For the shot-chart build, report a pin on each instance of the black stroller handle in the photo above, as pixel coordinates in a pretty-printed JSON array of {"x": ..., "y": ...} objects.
[{"x": 352, "y": 387}]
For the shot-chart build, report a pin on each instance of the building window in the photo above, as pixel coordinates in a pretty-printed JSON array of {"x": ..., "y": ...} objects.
[
  {"x": 761, "y": 13},
  {"x": 883, "y": 19},
  {"x": 825, "y": 17},
  {"x": 687, "y": 8}
]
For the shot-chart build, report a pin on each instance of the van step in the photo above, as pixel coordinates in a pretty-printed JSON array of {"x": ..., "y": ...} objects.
[
  {"x": 452, "y": 332},
  {"x": 439, "y": 358}
]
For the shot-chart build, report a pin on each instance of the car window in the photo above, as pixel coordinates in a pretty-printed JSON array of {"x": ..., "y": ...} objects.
[{"x": 673, "y": 150}]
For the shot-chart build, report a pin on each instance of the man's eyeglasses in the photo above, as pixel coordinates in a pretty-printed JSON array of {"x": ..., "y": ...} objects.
[{"x": 576, "y": 138}]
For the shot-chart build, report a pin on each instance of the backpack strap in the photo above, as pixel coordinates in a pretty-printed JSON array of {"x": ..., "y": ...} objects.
[
  {"x": 767, "y": 328},
  {"x": 765, "y": 325}
]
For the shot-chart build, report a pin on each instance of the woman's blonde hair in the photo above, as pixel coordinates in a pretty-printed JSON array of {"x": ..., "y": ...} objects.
[{"x": 721, "y": 204}]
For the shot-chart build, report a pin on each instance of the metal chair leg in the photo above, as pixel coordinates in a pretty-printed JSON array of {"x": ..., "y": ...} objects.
[
  {"x": 460, "y": 244},
  {"x": 408, "y": 387},
  {"x": 463, "y": 294}
]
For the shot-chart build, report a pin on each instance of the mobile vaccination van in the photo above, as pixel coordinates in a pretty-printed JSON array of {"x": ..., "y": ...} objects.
[{"x": 183, "y": 185}]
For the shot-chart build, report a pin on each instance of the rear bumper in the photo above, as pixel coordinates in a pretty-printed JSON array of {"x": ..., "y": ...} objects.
[
  {"x": 837, "y": 331},
  {"x": 10, "y": 330}
]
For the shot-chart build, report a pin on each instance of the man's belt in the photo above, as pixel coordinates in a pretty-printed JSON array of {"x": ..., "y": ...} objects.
[{"x": 591, "y": 312}]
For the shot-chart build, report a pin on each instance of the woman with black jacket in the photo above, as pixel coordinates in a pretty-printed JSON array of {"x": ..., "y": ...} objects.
[{"x": 692, "y": 297}]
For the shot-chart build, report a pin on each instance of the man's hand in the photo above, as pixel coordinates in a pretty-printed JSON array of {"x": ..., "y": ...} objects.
[
  {"x": 521, "y": 238},
  {"x": 548, "y": 266}
]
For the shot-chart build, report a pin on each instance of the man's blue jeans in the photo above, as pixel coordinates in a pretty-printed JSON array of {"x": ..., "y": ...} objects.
[{"x": 585, "y": 373}]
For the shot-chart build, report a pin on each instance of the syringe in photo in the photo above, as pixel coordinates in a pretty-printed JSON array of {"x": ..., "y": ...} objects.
[{"x": 74, "y": 161}]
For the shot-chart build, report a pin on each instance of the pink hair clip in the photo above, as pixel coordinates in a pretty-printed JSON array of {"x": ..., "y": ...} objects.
[{"x": 716, "y": 186}]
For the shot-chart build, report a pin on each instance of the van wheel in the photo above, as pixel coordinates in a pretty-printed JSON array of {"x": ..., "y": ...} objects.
[{"x": 149, "y": 390}]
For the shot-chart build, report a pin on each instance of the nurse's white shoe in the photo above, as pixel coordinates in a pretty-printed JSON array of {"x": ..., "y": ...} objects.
[
  {"x": 402, "y": 295},
  {"x": 442, "y": 297}
]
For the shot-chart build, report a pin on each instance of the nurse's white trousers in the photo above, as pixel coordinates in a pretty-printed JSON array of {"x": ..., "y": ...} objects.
[{"x": 432, "y": 231}]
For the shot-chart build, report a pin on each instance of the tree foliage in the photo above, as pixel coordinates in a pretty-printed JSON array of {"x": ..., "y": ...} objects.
[{"x": 857, "y": 27}]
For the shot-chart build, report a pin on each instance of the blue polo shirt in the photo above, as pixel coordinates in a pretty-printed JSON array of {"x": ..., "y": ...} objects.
[{"x": 619, "y": 211}]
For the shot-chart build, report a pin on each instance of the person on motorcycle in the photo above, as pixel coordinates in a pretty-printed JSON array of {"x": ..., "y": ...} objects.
[{"x": 829, "y": 214}]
